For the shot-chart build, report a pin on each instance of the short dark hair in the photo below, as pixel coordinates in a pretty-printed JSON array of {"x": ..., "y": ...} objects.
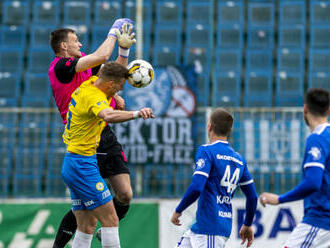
[
  {"x": 113, "y": 71},
  {"x": 318, "y": 101},
  {"x": 221, "y": 122},
  {"x": 58, "y": 36}
]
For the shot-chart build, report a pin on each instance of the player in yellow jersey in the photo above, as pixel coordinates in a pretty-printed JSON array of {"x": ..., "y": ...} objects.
[{"x": 88, "y": 111}]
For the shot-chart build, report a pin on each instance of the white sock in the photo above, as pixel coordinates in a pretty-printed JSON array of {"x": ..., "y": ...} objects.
[
  {"x": 82, "y": 240},
  {"x": 110, "y": 237}
]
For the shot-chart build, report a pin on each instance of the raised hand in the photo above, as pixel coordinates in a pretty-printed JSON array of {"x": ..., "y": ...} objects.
[
  {"x": 126, "y": 38},
  {"x": 117, "y": 25}
]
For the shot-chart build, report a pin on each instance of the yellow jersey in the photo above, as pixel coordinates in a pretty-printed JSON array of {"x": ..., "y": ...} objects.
[{"x": 83, "y": 130}]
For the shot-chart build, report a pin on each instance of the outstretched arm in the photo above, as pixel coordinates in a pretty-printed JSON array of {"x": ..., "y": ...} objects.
[
  {"x": 116, "y": 116},
  {"x": 311, "y": 183},
  {"x": 103, "y": 53},
  {"x": 100, "y": 56}
]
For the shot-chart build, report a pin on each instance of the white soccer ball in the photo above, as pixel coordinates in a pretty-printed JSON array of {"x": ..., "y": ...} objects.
[{"x": 141, "y": 73}]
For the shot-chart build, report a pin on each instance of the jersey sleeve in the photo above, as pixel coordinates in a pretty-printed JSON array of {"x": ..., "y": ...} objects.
[
  {"x": 246, "y": 176},
  {"x": 315, "y": 154},
  {"x": 96, "y": 103},
  {"x": 65, "y": 69},
  {"x": 202, "y": 163}
]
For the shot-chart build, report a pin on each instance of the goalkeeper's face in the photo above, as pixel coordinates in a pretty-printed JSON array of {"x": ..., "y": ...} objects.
[{"x": 73, "y": 45}]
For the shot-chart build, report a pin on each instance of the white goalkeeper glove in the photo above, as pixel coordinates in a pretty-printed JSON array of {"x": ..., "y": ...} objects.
[{"x": 125, "y": 39}]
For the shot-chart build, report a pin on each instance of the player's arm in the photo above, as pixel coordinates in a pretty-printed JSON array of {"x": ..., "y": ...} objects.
[
  {"x": 100, "y": 56},
  {"x": 103, "y": 53},
  {"x": 126, "y": 38},
  {"x": 312, "y": 181},
  {"x": 249, "y": 190},
  {"x": 247, "y": 186},
  {"x": 115, "y": 116},
  {"x": 191, "y": 195},
  {"x": 200, "y": 177}
]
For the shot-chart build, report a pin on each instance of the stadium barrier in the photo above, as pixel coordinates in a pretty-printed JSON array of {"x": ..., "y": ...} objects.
[{"x": 270, "y": 139}]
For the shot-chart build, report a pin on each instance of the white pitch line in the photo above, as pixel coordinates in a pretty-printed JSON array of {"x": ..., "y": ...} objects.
[{"x": 38, "y": 222}]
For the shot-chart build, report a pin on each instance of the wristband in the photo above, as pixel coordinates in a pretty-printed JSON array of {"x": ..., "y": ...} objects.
[
  {"x": 112, "y": 33},
  {"x": 136, "y": 115},
  {"x": 123, "y": 52}
]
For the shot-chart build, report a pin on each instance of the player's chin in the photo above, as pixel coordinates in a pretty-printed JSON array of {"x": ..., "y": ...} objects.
[{"x": 79, "y": 55}]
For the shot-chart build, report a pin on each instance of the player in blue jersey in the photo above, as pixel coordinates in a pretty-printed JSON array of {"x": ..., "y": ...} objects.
[
  {"x": 218, "y": 172},
  {"x": 314, "y": 230}
]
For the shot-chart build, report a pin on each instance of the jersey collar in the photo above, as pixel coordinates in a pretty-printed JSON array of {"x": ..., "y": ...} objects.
[
  {"x": 319, "y": 129},
  {"x": 220, "y": 141}
]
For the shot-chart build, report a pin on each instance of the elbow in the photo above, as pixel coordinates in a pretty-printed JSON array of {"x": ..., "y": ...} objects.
[
  {"x": 104, "y": 58},
  {"x": 101, "y": 58},
  {"x": 314, "y": 187},
  {"x": 195, "y": 191},
  {"x": 253, "y": 199}
]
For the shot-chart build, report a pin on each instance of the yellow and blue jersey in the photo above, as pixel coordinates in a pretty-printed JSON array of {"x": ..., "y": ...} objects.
[{"x": 83, "y": 129}]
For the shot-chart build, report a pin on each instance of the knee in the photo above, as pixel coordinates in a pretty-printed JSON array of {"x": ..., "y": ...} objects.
[
  {"x": 110, "y": 220},
  {"x": 88, "y": 228},
  {"x": 125, "y": 197}
]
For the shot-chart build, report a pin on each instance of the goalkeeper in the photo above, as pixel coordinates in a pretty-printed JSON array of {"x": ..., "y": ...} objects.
[{"x": 67, "y": 71}]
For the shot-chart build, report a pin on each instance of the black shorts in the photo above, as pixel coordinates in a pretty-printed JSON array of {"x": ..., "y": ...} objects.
[{"x": 110, "y": 155}]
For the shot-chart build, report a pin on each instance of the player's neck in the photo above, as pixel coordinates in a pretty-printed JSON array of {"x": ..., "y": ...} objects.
[
  {"x": 63, "y": 54},
  {"x": 316, "y": 121},
  {"x": 214, "y": 138}
]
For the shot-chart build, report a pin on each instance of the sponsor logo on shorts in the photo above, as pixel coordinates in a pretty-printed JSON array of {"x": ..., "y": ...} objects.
[
  {"x": 76, "y": 202},
  {"x": 105, "y": 194},
  {"x": 100, "y": 186},
  {"x": 89, "y": 203}
]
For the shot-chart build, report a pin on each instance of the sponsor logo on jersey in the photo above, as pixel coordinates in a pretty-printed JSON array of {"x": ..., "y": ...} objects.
[
  {"x": 225, "y": 214},
  {"x": 315, "y": 152},
  {"x": 101, "y": 102},
  {"x": 200, "y": 163},
  {"x": 229, "y": 158},
  {"x": 100, "y": 186}
]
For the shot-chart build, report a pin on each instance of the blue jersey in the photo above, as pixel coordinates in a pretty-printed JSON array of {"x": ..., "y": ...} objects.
[
  {"x": 317, "y": 153},
  {"x": 225, "y": 170}
]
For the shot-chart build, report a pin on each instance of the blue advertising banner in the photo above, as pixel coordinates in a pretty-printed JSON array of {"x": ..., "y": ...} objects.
[{"x": 168, "y": 138}]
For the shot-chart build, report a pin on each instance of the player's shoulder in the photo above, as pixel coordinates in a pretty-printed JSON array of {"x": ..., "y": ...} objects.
[{"x": 320, "y": 134}]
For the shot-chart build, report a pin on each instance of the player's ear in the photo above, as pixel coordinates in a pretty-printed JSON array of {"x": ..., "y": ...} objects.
[
  {"x": 63, "y": 45},
  {"x": 209, "y": 126},
  {"x": 305, "y": 109}
]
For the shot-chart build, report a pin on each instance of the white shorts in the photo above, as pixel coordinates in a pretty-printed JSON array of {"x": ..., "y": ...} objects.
[
  {"x": 193, "y": 240},
  {"x": 307, "y": 236}
]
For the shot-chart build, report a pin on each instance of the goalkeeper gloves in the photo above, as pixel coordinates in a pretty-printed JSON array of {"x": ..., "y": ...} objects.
[
  {"x": 125, "y": 39},
  {"x": 117, "y": 25}
]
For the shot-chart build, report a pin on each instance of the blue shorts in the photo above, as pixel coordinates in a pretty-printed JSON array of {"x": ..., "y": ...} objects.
[{"x": 88, "y": 189}]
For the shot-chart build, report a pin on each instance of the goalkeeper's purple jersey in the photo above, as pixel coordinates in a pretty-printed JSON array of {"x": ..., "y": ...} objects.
[
  {"x": 317, "y": 153},
  {"x": 225, "y": 169}
]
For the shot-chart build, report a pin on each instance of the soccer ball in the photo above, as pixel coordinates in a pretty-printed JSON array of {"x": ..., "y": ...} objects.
[{"x": 141, "y": 73}]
